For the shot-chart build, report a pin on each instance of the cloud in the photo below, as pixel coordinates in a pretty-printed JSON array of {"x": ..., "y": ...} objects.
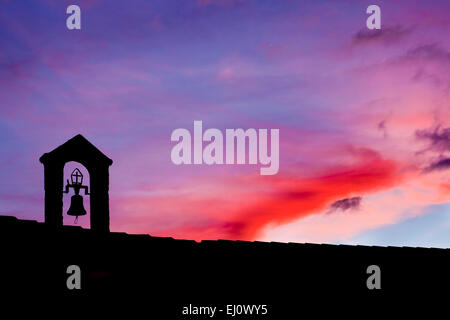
[
  {"x": 382, "y": 127},
  {"x": 438, "y": 165},
  {"x": 429, "y": 52},
  {"x": 429, "y": 63},
  {"x": 410, "y": 197},
  {"x": 314, "y": 195},
  {"x": 246, "y": 213},
  {"x": 346, "y": 204},
  {"x": 385, "y": 36},
  {"x": 438, "y": 138}
]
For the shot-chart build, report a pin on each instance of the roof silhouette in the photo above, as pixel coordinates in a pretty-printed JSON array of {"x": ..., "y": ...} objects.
[
  {"x": 167, "y": 273},
  {"x": 73, "y": 146}
]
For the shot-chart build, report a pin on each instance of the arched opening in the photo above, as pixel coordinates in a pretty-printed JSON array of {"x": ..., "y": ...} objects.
[{"x": 84, "y": 220}]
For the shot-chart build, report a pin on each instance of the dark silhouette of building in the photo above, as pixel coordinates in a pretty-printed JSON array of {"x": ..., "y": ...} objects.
[
  {"x": 80, "y": 150},
  {"x": 160, "y": 276}
]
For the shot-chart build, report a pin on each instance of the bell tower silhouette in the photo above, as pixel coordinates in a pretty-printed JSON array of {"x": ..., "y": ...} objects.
[{"x": 77, "y": 149}]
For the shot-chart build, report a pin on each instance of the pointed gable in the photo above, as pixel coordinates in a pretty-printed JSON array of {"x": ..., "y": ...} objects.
[{"x": 76, "y": 149}]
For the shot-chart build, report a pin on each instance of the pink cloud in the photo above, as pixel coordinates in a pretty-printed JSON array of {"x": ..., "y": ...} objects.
[{"x": 248, "y": 209}]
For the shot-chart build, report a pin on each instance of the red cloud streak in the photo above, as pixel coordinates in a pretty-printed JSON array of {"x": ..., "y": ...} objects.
[
  {"x": 245, "y": 216},
  {"x": 303, "y": 197}
]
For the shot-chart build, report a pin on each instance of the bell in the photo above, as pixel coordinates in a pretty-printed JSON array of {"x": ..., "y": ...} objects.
[{"x": 76, "y": 206}]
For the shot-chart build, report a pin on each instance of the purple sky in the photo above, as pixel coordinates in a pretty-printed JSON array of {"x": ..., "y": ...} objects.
[{"x": 364, "y": 116}]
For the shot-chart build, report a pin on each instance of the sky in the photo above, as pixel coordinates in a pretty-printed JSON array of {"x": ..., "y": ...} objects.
[{"x": 364, "y": 115}]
